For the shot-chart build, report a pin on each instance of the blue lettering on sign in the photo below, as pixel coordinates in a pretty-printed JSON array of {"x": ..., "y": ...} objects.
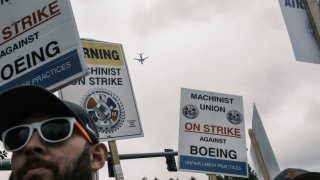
[
  {"x": 51, "y": 73},
  {"x": 213, "y": 165},
  {"x": 294, "y": 4}
]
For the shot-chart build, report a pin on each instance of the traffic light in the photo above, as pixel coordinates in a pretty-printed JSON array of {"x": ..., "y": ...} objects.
[{"x": 171, "y": 162}]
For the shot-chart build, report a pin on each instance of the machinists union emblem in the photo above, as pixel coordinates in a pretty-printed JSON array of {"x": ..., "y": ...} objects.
[
  {"x": 190, "y": 111},
  {"x": 234, "y": 117},
  {"x": 105, "y": 108}
]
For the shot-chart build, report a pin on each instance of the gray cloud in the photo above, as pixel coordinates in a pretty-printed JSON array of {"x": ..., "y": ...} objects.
[{"x": 166, "y": 13}]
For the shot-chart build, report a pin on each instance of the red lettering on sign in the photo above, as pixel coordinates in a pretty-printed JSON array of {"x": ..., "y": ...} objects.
[{"x": 28, "y": 22}]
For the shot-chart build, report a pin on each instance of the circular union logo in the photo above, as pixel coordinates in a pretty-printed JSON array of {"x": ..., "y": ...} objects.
[
  {"x": 190, "y": 111},
  {"x": 234, "y": 117},
  {"x": 105, "y": 108}
]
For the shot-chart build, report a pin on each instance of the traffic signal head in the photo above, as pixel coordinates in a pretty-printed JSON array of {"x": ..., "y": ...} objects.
[{"x": 171, "y": 162}]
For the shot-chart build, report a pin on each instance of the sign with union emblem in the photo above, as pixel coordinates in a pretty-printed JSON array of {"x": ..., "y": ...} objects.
[
  {"x": 212, "y": 137},
  {"x": 106, "y": 93}
]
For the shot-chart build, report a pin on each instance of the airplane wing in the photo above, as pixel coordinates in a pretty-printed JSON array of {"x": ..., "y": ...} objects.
[{"x": 145, "y": 58}]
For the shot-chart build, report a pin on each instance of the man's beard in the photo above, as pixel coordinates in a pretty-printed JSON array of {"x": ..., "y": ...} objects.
[{"x": 79, "y": 169}]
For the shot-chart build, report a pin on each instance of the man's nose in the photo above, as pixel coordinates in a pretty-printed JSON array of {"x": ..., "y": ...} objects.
[{"x": 35, "y": 145}]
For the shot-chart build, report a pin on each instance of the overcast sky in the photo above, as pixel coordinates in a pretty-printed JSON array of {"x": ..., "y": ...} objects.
[{"x": 232, "y": 47}]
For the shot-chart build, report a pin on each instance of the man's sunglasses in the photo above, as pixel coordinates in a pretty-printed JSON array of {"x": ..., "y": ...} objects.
[{"x": 52, "y": 130}]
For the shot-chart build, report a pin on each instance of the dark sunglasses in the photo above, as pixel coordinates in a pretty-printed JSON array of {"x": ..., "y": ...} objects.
[{"x": 52, "y": 130}]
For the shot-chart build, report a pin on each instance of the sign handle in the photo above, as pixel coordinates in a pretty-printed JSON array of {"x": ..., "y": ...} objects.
[
  {"x": 212, "y": 177},
  {"x": 115, "y": 160},
  {"x": 256, "y": 148}
]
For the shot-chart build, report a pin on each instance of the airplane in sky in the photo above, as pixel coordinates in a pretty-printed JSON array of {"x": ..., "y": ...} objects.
[{"x": 141, "y": 59}]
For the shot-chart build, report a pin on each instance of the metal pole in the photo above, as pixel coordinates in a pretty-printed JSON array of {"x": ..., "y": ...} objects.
[
  {"x": 97, "y": 176},
  {"x": 5, "y": 164},
  {"x": 145, "y": 155}
]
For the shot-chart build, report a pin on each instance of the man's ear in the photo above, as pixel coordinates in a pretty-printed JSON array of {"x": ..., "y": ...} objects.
[{"x": 98, "y": 156}]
